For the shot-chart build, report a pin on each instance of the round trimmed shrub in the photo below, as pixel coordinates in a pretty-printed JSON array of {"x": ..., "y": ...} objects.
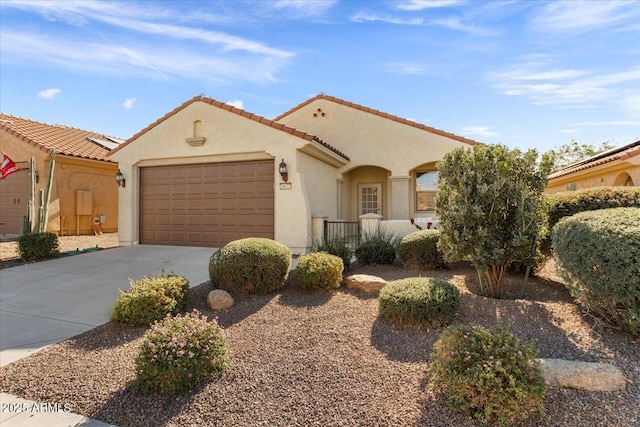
[
  {"x": 490, "y": 375},
  {"x": 378, "y": 247},
  {"x": 419, "y": 300},
  {"x": 252, "y": 265},
  {"x": 151, "y": 299},
  {"x": 178, "y": 352},
  {"x": 420, "y": 250},
  {"x": 338, "y": 248},
  {"x": 319, "y": 270},
  {"x": 599, "y": 255},
  {"x": 38, "y": 246}
]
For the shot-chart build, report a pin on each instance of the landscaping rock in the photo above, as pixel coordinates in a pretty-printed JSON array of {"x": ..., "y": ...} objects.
[
  {"x": 588, "y": 376},
  {"x": 219, "y": 299},
  {"x": 365, "y": 282}
]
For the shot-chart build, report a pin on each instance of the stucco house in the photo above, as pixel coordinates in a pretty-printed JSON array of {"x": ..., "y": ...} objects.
[
  {"x": 208, "y": 173},
  {"x": 83, "y": 185},
  {"x": 619, "y": 166}
]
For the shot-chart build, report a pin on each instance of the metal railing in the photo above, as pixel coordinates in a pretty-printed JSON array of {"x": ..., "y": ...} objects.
[{"x": 344, "y": 231}]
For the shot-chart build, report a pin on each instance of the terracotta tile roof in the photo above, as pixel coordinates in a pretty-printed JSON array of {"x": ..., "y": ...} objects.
[
  {"x": 380, "y": 114},
  {"x": 240, "y": 112},
  {"x": 622, "y": 152},
  {"x": 64, "y": 139}
]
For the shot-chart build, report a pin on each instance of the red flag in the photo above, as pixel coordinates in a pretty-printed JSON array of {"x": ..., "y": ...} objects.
[{"x": 8, "y": 166}]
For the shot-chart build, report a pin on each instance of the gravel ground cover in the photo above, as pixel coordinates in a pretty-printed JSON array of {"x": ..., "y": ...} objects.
[
  {"x": 302, "y": 358},
  {"x": 9, "y": 249}
]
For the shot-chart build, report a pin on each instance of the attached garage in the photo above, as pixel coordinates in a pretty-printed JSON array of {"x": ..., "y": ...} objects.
[
  {"x": 14, "y": 201},
  {"x": 206, "y": 204}
]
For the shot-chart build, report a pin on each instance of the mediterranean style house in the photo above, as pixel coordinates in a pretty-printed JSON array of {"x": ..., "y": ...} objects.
[
  {"x": 208, "y": 173},
  {"x": 619, "y": 166},
  {"x": 83, "y": 189}
]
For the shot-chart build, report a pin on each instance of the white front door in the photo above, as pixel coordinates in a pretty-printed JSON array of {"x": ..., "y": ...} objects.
[{"x": 370, "y": 198}]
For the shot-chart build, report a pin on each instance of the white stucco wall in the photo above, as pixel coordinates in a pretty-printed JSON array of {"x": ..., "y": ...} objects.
[
  {"x": 372, "y": 140},
  {"x": 229, "y": 137}
]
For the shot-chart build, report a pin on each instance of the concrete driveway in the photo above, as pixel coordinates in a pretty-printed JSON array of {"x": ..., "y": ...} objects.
[{"x": 48, "y": 302}]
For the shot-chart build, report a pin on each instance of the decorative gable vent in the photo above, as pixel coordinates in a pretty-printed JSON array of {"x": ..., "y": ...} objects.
[{"x": 197, "y": 139}]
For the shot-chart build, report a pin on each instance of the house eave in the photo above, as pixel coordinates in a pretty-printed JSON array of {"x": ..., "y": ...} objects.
[{"x": 323, "y": 154}]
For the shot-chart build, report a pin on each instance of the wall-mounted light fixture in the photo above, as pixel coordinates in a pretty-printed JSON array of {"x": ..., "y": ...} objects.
[
  {"x": 283, "y": 171},
  {"x": 122, "y": 182}
]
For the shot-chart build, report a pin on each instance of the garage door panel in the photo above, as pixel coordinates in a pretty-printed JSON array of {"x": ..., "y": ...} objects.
[{"x": 206, "y": 205}]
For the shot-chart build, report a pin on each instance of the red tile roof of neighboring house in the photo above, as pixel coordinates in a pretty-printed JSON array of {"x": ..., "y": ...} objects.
[
  {"x": 240, "y": 112},
  {"x": 380, "y": 114},
  {"x": 64, "y": 139},
  {"x": 619, "y": 153}
]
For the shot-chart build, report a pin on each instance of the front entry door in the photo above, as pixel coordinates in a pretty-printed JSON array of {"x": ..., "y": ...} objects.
[{"x": 370, "y": 198}]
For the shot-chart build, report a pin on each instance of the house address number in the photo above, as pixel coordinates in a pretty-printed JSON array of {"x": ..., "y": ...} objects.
[{"x": 285, "y": 186}]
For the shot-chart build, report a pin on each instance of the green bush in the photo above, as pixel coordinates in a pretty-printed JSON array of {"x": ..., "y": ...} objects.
[
  {"x": 319, "y": 270},
  {"x": 419, "y": 300},
  {"x": 488, "y": 374},
  {"x": 338, "y": 248},
  {"x": 490, "y": 207},
  {"x": 37, "y": 246},
  {"x": 570, "y": 203},
  {"x": 420, "y": 250},
  {"x": 178, "y": 352},
  {"x": 252, "y": 265},
  {"x": 378, "y": 247},
  {"x": 599, "y": 252},
  {"x": 151, "y": 299}
]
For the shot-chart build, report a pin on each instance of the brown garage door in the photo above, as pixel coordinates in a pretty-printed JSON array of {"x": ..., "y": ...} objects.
[
  {"x": 14, "y": 201},
  {"x": 206, "y": 205}
]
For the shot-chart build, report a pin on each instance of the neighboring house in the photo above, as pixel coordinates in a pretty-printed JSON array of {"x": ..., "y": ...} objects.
[
  {"x": 208, "y": 173},
  {"x": 83, "y": 186},
  {"x": 619, "y": 166}
]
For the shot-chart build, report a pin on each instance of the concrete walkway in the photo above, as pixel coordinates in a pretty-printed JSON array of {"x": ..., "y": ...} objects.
[{"x": 47, "y": 302}]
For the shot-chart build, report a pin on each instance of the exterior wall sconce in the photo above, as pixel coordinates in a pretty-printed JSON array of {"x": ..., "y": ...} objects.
[
  {"x": 282, "y": 168},
  {"x": 122, "y": 182}
]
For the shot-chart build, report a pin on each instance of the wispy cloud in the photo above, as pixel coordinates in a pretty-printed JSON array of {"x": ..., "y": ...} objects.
[
  {"x": 236, "y": 103},
  {"x": 569, "y": 87},
  {"x": 459, "y": 24},
  {"x": 305, "y": 8},
  {"x": 49, "y": 93},
  {"x": 129, "y": 103},
  {"x": 427, "y": 4},
  {"x": 156, "y": 49},
  {"x": 405, "y": 68},
  {"x": 484, "y": 131},
  {"x": 390, "y": 19},
  {"x": 579, "y": 16}
]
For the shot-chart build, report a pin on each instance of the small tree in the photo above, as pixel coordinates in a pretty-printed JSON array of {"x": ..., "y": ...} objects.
[
  {"x": 568, "y": 154},
  {"x": 489, "y": 204}
]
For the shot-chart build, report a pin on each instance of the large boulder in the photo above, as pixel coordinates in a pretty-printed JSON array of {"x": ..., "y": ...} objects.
[
  {"x": 590, "y": 376},
  {"x": 365, "y": 282},
  {"x": 219, "y": 299}
]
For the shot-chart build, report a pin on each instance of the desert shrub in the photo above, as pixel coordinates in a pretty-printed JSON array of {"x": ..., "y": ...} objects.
[
  {"x": 490, "y": 208},
  {"x": 151, "y": 299},
  {"x": 419, "y": 300},
  {"x": 177, "y": 352},
  {"x": 336, "y": 247},
  {"x": 490, "y": 375},
  {"x": 420, "y": 250},
  {"x": 599, "y": 256},
  {"x": 558, "y": 206},
  {"x": 378, "y": 247},
  {"x": 252, "y": 265},
  {"x": 37, "y": 246},
  {"x": 319, "y": 270}
]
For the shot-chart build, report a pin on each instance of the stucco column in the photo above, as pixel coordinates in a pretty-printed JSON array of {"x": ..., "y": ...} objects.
[
  {"x": 317, "y": 228},
  {"x": 400, "y": 196},
  {"x": 370, "y": 223},
  {"x": 339, "y": 184}
]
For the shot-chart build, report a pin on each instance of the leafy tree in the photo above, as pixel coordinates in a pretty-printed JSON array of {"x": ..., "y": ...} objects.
[
  {"x": 489, "y": 204},
  {"x": 568, "y": 154}
]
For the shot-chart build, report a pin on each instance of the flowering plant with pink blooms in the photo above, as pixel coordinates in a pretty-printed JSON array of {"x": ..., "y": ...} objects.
[{"x": 178, "y": 352}]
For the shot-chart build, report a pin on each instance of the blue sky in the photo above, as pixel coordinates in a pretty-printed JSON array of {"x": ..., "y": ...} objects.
[{"x": 528, "y": 74}]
